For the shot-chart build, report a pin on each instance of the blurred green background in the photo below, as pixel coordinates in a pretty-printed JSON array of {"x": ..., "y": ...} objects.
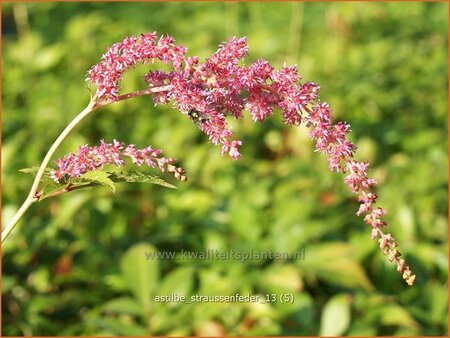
[{"x": 75, "y": 264}]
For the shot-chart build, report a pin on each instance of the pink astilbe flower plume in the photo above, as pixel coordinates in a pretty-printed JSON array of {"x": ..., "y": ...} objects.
[
  {"x": 220, "y": 87},
  {"x": 93, "y": 158}
]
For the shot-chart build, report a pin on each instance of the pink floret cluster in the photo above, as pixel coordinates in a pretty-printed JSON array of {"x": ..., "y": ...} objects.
[
  {"x": 217, "y": 88},
  {"x": 122, "y": 56},
  {"x": 93, "y": 158},
  {"x": 223, "y": 86}
]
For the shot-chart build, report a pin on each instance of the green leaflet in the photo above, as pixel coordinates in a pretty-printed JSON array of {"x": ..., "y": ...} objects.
[
  {"x": 97, "y": 177},
  {"x": 34, "y": 170},
  {"x": 139, "y": 177},
  {"x": 49, "y": 187}
]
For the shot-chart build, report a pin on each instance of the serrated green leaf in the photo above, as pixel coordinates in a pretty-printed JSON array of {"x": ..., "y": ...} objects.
[
  {"x": 34, "y": 170},
  {"x": 93, "y": 178},
  {"x": 97, "y": 177},
  {"x": 46, "y": 179},
  {"x": 48, "y": 185},
  {"x": 139, "y": 177}
]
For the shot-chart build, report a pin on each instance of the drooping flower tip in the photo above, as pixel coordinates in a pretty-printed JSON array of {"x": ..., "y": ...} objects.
[{"x": 232, "y": 148}]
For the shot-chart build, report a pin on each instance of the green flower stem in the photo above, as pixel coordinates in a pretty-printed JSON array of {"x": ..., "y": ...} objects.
[
  {"x": 11, "y": 224},
  {"x": 56, "y": 144},
  {"x": 34, "y": 195}
]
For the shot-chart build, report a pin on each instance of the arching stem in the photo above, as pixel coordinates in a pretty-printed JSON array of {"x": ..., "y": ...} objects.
[{"x": 94, "y": 104}]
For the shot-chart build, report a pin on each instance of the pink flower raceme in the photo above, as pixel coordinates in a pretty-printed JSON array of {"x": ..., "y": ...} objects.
[
  {"x": 93, "y": 158},
  {"x": 223, "y": 86}
]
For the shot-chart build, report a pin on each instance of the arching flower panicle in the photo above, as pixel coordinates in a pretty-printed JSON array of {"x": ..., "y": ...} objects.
[{"x": 223, "y": 86}]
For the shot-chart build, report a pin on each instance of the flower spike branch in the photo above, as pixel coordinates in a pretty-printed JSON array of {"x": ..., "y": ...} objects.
[
  {"x": 207, "y": 93},
  {"x": 92, "y": 158}
]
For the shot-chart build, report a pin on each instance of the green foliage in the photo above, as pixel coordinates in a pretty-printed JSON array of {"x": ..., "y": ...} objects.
[
  {"x": 48, "y": 187},
  {"x": 135, "y": 176},
  {"x": 97, "y": 177},
  {"x": 141, "y": 276},
  {"x": 335, "y": 316},
  {"x": 76, "y": 263}
]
